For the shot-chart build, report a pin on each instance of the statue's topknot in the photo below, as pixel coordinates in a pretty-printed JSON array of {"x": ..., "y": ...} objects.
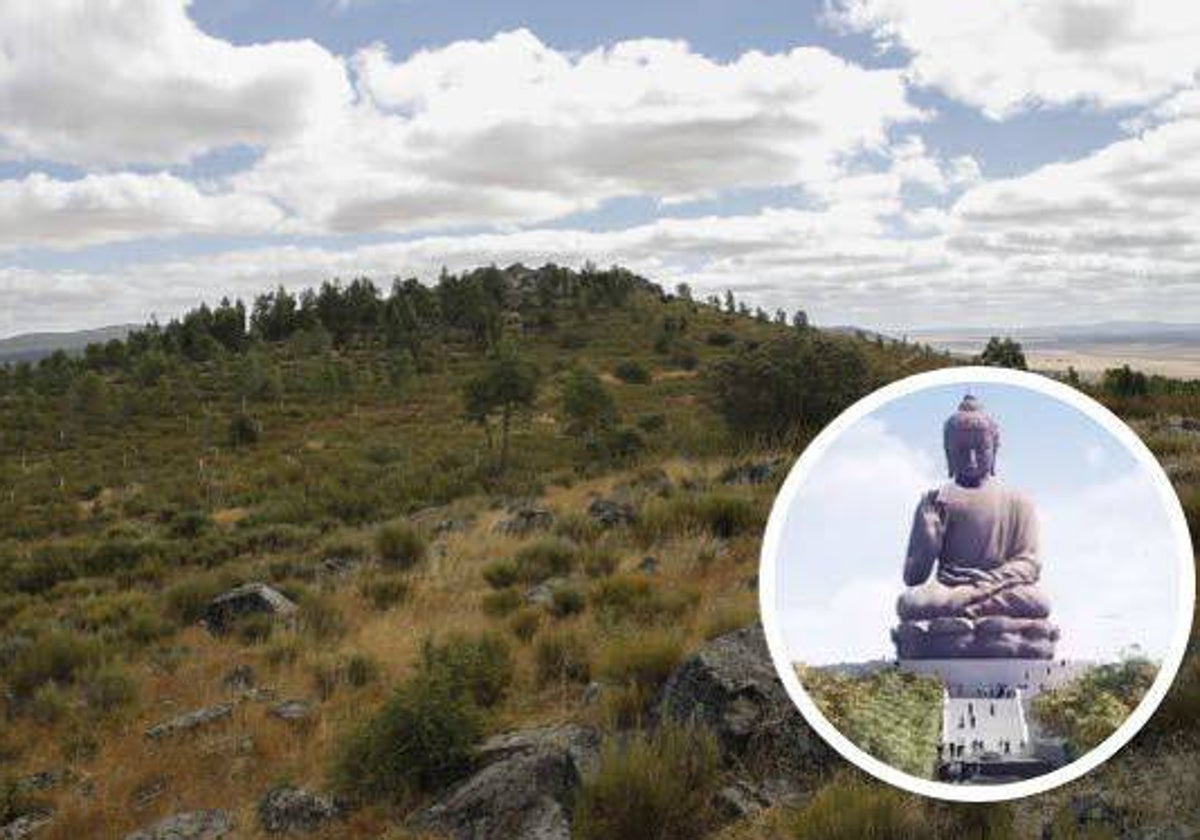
[{"x": 970, "y": 415}]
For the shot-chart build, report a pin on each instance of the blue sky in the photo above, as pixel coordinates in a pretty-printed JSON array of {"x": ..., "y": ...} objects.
[
  {"x": 887, "y": 163},
  {"x": 1108, "y": 559}
]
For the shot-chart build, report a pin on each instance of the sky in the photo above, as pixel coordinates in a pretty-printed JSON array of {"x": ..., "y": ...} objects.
[
  {"x": 1109, "y": 564},
  {"x": 892, "y": 164}
]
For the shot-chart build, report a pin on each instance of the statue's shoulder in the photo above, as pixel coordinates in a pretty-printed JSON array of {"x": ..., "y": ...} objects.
[{"x": 1015, "y": 498}]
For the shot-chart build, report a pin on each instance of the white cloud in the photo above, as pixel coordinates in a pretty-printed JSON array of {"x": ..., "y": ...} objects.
[
  {"x": 1109, "y": 567},
  {"x": 512, "y": 130},
  {"x": 40, "y": 211},
  {"x": 840, "y": 569},
  {"x": 135, "y": 81},
  {"x": 1007, "y": 56}
]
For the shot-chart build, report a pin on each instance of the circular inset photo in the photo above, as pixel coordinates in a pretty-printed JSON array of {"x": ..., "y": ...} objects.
[{"x": 977, "y": 584}]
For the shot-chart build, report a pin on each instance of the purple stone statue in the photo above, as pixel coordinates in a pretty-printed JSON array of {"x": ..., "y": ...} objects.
[{"x": 981, "y": 536}]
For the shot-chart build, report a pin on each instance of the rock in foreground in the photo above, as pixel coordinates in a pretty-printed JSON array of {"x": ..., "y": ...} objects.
[
  {"x": 731, "y": 686},
  {"x": 524, "y": 788},
  {"x": 286, "y": 809},
  {"x": 190, "y": 825}
]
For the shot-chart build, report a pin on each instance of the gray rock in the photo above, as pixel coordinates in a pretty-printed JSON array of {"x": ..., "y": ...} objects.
[
  {"x": 524, "y": 789},
  {"x": 189, "y": 825},
  {"x": 40, "y": 781},
  {"x": 592, "y": 693},
  {"x": 542, "y": 595},
  {"x": 610, "y": 513},
  {"x": 337, "y": 567},
  {"x": 648, "y": 566},
  {"x": 292, "y": 710},
  {"x": 247, "y": 599},
  {"x": 731, "y": 686},
  {"x": 755, "y": 472},
  {"x": 190, "y": 721},
  {"x": 740, "y": 800},
  {"x": 147, "y": 792},
  {"x": 524, "y": 520},
  {"x": 286, "y": 809},
  {"x": 24, "y": 826}
]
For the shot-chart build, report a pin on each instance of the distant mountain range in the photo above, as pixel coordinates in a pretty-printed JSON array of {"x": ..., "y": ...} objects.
[
  {"x": 33, "y": 346},
  {"x": 1107, "y": 332}
]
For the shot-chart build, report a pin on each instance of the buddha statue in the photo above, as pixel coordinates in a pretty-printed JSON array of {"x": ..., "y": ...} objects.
[{"x": 972, "y": 566}]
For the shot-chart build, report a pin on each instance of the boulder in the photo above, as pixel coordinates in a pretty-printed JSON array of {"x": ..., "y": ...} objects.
[
  {"x": 610, "y": 513},
  {"x": 523, "y": 520},
  {"x": 292, "y": 710},
  {"x": 524, "y": 788},
  {"x": 731, "y": 686},
  {"x": 190, "y": 825},
  {"x": 24, "y": 826},
  {"x": 247, "y": 599},
  {"x": 542, "y": 595},
  {"x": 190, "y": 721},
  {"x": 286, "y": 809}
]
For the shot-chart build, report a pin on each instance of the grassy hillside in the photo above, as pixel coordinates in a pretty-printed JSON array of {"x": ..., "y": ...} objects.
[
  {"x": 894, "y": 716},
  {"x": 323, "y": 444}
]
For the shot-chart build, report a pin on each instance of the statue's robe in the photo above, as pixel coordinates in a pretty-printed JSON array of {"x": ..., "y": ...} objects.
[{"x": 984, "y": 599}]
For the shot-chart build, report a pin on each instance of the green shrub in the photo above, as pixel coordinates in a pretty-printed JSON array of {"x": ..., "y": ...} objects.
[
  {"x": 420, "y": 741},
  {"x": 562, "y": 657},
  {"x": 720, "y": 514},
  {"x": 109, "y": 689},
  {"x": 566, "y": 601},
  {"x": 384, "y": 591},
  {"x": 850, "y": 809},
  {"x": 578, "y": 527},
  {"x": 600, "y": 563},
  {"x": 320, "y": 617},
  {"x": 49, "y": 704},
  {"x": 187, "y": 599},
  {"x": 501, "y": 574},
  {"x": 502, "y": 602},
  {"x": 652, "y": 786},
  {"x": 546, "y": 558},
  {"x": 652, "y": 423},
  {"x": 635, "y": 599},
  {"x": 361, "y": 670},
  {"x": 782, "y": 386},
  {"x": 243, "y": 430},
  {"x": 644, "y": 658},
  {"x": 400, "y": 545},
  {"x": 729, "y": 617},
  {"x": 58, "y": 657},
  {"x": 481, "y": 666},
  {"x": 525, "y": 623},
  {"x": 327, "y": 675},
  {"x": 189, "y": 524},
  {"x": 632, "y": 373}
]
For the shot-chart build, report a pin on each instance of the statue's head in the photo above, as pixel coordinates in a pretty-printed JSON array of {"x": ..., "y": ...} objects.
[{"x": 971, "y": 437}]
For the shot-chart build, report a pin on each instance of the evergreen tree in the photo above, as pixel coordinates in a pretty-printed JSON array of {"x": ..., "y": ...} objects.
[{"x": 508, "y": 387}]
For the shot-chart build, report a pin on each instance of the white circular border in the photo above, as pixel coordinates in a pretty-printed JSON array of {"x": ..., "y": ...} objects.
[{"x": 768, "y": 578}]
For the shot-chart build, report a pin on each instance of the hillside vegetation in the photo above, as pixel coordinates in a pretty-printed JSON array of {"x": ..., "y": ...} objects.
[{"x": 488, "y": 497}]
